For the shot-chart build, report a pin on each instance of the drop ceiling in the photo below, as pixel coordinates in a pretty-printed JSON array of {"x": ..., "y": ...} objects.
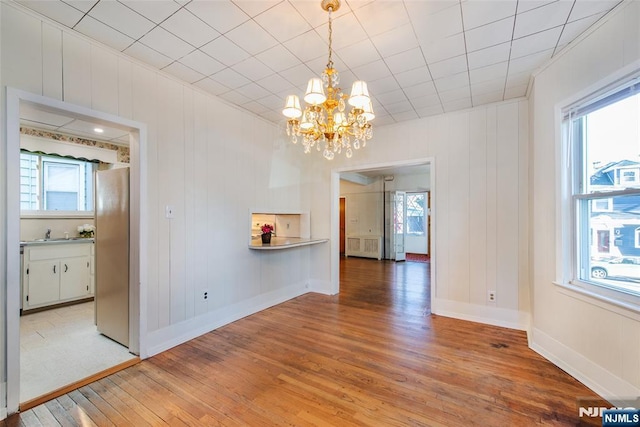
[{"x": 420, "y": 58}]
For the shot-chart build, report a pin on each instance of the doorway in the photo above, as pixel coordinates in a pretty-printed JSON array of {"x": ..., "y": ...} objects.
[
  {"x": 386, "y": 172},
  {"x": 17, "y": 99}
]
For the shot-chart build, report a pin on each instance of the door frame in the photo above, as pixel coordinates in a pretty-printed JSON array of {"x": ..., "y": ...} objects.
[
  {"x": 335, "y": 215},
  {"x": 138, "y": 229}
]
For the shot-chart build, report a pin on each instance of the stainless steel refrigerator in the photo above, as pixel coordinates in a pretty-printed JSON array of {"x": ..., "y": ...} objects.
[{"x": 112, "y": 254}]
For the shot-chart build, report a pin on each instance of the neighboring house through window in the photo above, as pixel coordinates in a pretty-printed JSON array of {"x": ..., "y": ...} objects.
[{"x": 602, "y": 137}]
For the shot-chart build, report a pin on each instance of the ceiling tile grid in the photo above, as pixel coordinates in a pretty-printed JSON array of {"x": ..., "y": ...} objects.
[{"x": 419, "y": 57}]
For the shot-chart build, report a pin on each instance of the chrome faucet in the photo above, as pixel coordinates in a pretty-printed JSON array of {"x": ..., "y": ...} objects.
[{"x": 48, "y": 234}]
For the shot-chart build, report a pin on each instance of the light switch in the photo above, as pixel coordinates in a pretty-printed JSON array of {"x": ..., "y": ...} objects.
[{"x": 169, "y": 211}]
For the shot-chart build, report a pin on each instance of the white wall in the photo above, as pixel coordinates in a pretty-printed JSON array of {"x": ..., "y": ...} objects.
[
  {"x": 212, "y": 162},
  {"x": 480, "y": 205},
  {"x": 363, "y": 208},
  {"x": 594, "y": 341}
]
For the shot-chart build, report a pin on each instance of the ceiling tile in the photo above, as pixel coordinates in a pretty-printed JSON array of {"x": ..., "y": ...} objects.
[
  {"x": 82, "y": 5},
  {"x": 542, "y": 18},
  {"x": 58, "y": 11},
  {"x": 495, "y": 85},
  {"x": 452, "y": 82},
  {"x": 391, "y": 97},
  {"x": 518, "y": 79},
  {"x": 35, "y": 115},
  {"x": 256, "y": 7},
  {"x": 183, "y": 72},
  {"x": 489, "y": 35},
  {"x": 487, "y": 98},
  {"x": 97, "y": 30},
  {"x": 307, "y": 46},
  {"x": 222, "y": 15},
  {"x": 253, "y": 69},
  {"x": 235, "y": 97},
  {"x": 515, "y": 91},
  {"x": 273, "y": 102},
  {"x": 255, "y": 107},
  {"x": 421, "y": 90},
  {"x": 156, "y": 10},
  {"x": 398, "y": 107},
  {"x": 87, "y": 127},
  {"x": 386, "y": 84},
  {"x": 405, "y": 115},
  {"x": 584, "y": 8},
  {"x": 346, "y": 31},
  {"x": 36, "y": 125},
  {"x": 418, "y": 10},
  {"x": 202, "y": 63},
  {"x": 372, "y": 71},
  {"x": 225, "y": 51},
  {"x": 448, "y": 67},
  {"x": 440, "y": 25},
  {"x": 395, "y": 41},
  {"x": 413, "y": 77},
  {"x": 230, "y": 78},
  {"x": 488, "y": 73},
  {"x": 298, "y": 75},
  {"x": 459, "y": 104},
  {"x": 189, "y": 28},
  {"x": 383, "y": 121},
  {"x": 440, "y": 50},
  {"x": 535, "y": 43},
  {"x": 276, "y": 83},
  {"x": 359, "y": 54},
  {"x": 429, "y": 111},
  {"x": 211, "y": 86},
  {"x": 251, "y": 37},
  {"x": 253, "y": 91},
  {"x": 123, "y": 19},
  {"x": 148, "y": 55},
  {"x": 283, "y": 22},
  {"x": 455, "y": 94},
  {"x": 405, "y": 61},
  {"x": 381, "y": 16},
  {"x": 278, "y": 58},
  {"x": 478, "y": 13},
  {"x": 313, "y": 13},
  {"x": 425, "y": 101},
  {"x": 166, "y": 43},
  {"x": 575, "y": 28},
  {"x": 489, "y": 56},
  {"x": 529, "y": 63},
  {"x": 524, "y": 6}
]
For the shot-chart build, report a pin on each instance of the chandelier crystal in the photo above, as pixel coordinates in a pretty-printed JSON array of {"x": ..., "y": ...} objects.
[{"x": 325, "y": 123}]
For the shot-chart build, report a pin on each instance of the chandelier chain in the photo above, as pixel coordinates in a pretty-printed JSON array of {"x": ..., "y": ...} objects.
[{"x": 330, "y": 63}]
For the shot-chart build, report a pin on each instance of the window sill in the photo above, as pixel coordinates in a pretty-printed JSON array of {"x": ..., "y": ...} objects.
[
  {"x": 56, "y": 214},
  {"x": 596, "y": 297}
]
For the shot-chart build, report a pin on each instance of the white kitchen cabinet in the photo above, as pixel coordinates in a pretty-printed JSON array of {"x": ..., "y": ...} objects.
[{"x": 56, "y": 272}]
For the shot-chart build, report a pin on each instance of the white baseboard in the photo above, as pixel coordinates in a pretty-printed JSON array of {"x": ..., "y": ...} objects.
[
  {"x": 3, "y": 399},
  {"x": 592, "y": 375},
  {"x": 321, "y": 287},
  {"x": 496, "y": 316},
  {"x": 173, "y": 335}
]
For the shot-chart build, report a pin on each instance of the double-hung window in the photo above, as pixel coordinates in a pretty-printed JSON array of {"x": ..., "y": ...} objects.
[{"x": 603, "y": 149}]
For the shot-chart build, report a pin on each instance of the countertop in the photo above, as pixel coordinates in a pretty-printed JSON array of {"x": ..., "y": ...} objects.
[
  {"x": 283, "y": 243},
  {"x": 63, "y": 241}
]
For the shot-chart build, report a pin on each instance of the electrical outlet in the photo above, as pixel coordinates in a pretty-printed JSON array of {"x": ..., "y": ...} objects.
[
  {"x": 169, "y": 212},
  {"x": 491, "y": 296},
  {"x": 205, "y": 295}
]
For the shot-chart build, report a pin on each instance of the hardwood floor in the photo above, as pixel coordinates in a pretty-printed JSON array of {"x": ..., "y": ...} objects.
[{"x": 372, "y": 355}]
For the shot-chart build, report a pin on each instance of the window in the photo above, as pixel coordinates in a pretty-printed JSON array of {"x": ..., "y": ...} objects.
[
  {"x": 50, "y": 183},
  {"x": 415, "y": 213},
  {"x": 603, "y": 140}
]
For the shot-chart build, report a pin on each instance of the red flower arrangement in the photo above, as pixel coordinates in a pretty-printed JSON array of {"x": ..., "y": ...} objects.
[{"x": 267, "y": 229}]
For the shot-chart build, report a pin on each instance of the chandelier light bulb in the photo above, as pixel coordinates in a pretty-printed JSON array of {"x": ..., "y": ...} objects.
[
  {"x": 292, "y": 107},
  {"x": 315, "y": 92}
]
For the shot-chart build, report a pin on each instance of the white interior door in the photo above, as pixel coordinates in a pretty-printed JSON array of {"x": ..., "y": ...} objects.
[{"x": 399, "y": 216}]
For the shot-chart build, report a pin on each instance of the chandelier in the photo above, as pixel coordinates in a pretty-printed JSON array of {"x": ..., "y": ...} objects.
[{"x": 324, "y": 122}]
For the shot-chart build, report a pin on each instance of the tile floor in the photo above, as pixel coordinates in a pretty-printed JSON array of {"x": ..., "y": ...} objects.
[{"x": 61, "y": 346}]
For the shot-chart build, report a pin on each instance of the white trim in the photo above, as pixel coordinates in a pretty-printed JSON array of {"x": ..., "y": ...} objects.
[
  {"x": 490, "y": 315},
  {"x": 335, "y": 214},
  {"x": 594, "y": 376},
  {"x": 63, "y": 148},
  {"x": 138, "y": 135},
  {"x": 593, "y": 297},
  {"x": 178, "y": 333},
  {"x": 320, "y": 286}
]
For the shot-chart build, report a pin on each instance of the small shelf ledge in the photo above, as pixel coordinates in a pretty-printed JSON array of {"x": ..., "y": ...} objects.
[{"x": 283, "y": 243}]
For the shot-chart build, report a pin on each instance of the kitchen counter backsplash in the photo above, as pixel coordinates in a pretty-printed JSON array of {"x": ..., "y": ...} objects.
[{"x": 36, "y": 228}]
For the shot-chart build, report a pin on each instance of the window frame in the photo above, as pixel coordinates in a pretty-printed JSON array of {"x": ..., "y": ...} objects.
[
  {"x": 43, "y": 158},
  {"x": 573, "y": 170},
  {"x": 424, "y": 213}
]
